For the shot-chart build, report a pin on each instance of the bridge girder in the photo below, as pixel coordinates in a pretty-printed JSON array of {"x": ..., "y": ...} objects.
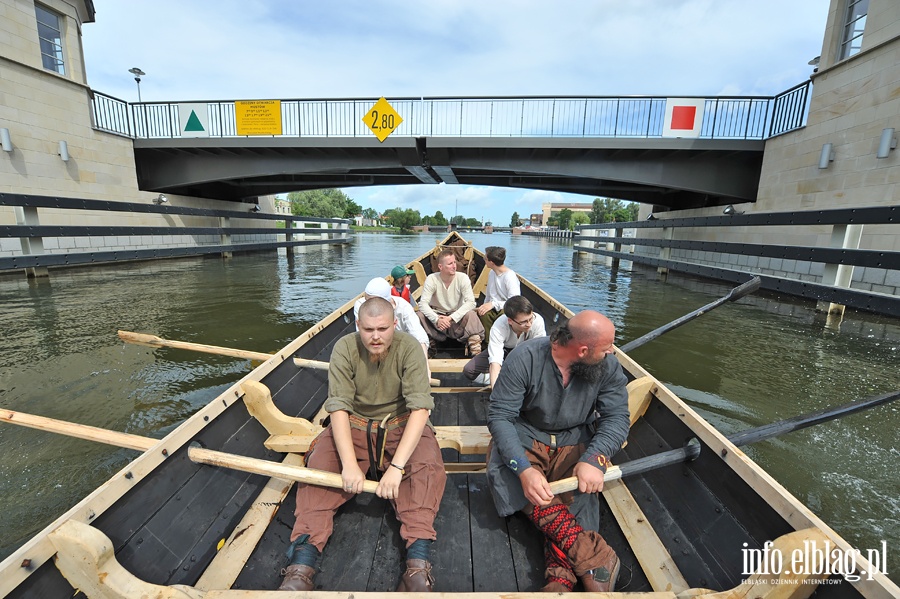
[{"x": 677, "y": 173}]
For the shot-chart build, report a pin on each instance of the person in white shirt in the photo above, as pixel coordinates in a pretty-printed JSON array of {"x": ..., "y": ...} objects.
[
  {"x": 502, "y": 284},
  {"x": 447, "y": 305},
  {"x": 405, "y": 318},
  {"x": 519, "y": 323}
]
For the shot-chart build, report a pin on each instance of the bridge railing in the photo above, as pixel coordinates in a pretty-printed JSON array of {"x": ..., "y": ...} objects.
[
  {"x": 805, "y": 271},
  {"x": 752, "y": 117}
]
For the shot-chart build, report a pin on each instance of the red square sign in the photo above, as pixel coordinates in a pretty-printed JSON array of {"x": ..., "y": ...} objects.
[{"x": 683, "y": 117}]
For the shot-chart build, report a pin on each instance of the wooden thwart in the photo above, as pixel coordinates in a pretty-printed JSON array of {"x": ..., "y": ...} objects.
[
  {"x": 293, "y": 435},
  {"x": 85, "y": 557}
]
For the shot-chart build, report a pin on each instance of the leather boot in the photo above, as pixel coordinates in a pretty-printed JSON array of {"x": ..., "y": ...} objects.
[
  {"x": 474, "y": 345},
  {"x": 558, "y": 573},
  {"x": 298, "y": 578},
  {"x": 585, "y": 550},
  {"x": 602, "y": 579},
  {"x": 417, "y": 578}
]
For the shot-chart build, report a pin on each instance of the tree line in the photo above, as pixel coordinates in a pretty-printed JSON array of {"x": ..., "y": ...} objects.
[{"x": 333, "y": 203}]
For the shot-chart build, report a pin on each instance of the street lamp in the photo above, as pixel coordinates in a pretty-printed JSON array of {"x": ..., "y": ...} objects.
[{"x": 137, "y": 77}]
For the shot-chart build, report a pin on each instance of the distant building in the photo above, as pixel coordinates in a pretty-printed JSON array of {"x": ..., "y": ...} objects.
[
  {"x": 282, "y": 206},
  {"x": 550, "y": 210}
]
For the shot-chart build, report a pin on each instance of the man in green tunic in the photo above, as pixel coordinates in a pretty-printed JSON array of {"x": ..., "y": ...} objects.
[{"x": 379, "y": 399}]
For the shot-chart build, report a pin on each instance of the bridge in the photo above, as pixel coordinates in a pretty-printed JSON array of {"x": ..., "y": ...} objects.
[{"x": 600, "y": 146}]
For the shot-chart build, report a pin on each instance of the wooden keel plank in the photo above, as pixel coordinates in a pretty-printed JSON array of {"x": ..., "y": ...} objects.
[
  {"x": 655, "y": 560},
  {"x": 526, "y": 547},
  {"x": 349, "y": 556},
  {"x": 452, "y": 552},
  {"x": 389, "y": 557},
  {"x": 230, "y": 560},
  {"x": 492, "y": 560}
]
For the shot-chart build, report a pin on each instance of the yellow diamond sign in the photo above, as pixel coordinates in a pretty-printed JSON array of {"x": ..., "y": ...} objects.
[{"x": 382, "y": 119}]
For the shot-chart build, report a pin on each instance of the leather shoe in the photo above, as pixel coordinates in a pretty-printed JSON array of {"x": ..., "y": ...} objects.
[
  {"x": 417, "y": 578},
  {"x": 601, "y": 579},
  {"x": 298, "y": 578}
]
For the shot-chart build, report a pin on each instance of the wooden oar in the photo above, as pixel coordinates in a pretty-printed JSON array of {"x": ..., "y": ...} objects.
[
  {"x": 154, "y": 341},
  {"x": 752, "y": 435},
  {"x": 735, "y": 294},
  {"x": 80, "y": 431},
  {"x": 201, "y": 456},
  {"x": 328, "y": 479},
  {"x": 272, "y": 469}
]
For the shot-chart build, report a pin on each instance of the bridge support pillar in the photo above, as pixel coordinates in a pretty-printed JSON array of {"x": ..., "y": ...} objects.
[
  {"x": 31, "y": 245},
  {"x": 839, "y": 275},
  {"x": 225, "y": 238}
]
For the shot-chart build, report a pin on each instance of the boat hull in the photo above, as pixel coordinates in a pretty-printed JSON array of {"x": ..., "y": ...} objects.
[{"x": 171, "y": 521}]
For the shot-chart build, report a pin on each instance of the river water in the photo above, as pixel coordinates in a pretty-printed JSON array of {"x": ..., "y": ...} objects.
[{"x": 742, "y": 365}]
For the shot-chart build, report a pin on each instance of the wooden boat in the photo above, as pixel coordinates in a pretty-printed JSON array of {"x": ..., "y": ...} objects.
[{"x": 166, "y": 526}]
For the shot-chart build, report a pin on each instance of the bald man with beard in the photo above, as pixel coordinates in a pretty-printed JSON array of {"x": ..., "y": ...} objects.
[
  {"x": 379, "y": 399},
  {"x": 544, "y": 425}
]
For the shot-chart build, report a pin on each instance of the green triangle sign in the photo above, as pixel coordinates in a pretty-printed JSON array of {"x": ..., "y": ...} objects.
[{"x": 194, "y": 123}]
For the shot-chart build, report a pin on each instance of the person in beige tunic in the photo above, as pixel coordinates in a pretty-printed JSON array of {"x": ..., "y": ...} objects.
[{"x": 447, "y": 306}]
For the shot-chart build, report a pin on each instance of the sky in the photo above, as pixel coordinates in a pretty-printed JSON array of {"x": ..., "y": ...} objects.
[{"x": 194, "y": 50}]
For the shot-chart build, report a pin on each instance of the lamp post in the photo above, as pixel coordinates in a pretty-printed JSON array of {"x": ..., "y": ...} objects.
[{"x": 137, "y": 77}]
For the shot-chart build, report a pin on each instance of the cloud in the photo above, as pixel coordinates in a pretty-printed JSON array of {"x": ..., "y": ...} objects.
[{"x": 242, "y": 50}]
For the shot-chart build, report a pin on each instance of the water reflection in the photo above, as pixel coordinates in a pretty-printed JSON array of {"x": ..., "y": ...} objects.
[{"x": 742, "y": 365}]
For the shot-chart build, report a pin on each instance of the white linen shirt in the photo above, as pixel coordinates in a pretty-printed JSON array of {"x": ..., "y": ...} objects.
[
  {"x": 501, "y": 288},
  {"x": 502, "y": 336},
  {"x": 454, "y": 301}
]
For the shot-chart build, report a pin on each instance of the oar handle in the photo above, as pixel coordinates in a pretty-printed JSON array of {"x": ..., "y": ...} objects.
[
  {"x": 638, "y": 466},
  {"x": 272, "y": 469}
]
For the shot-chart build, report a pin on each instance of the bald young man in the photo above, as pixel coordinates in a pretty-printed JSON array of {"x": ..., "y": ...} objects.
[
  {"x": 542, "y": 422},
  {"x": 379, "y": 400}
]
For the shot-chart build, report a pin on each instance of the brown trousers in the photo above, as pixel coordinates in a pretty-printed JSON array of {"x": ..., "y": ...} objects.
[
  {"x": 590, "y": 549},
  {"x": 417, "y": 501},
  {"x": 460, "y": 331}
]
